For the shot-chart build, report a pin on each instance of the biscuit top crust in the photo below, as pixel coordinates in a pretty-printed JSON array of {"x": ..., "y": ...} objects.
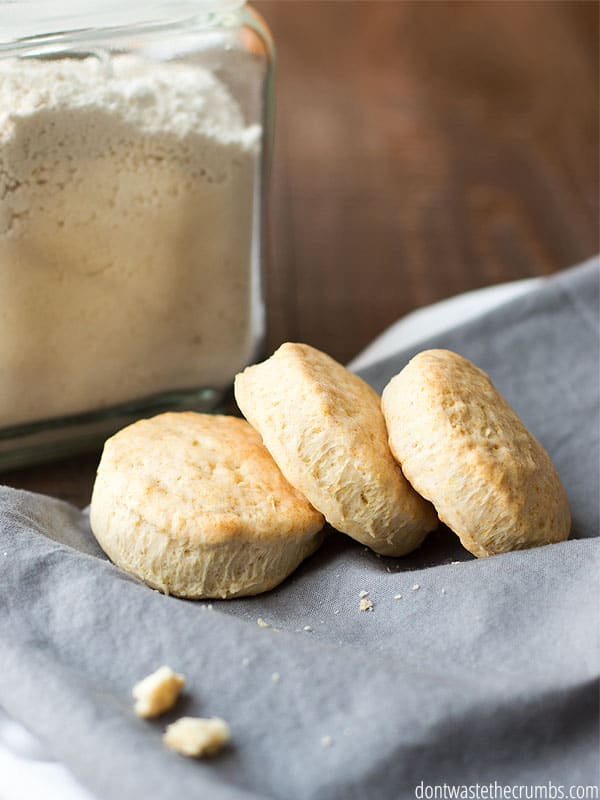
[
  {"x": 324, "y": 427},
  {"x": 463, "y": 447},
  {"x": 204, "y": 478}
]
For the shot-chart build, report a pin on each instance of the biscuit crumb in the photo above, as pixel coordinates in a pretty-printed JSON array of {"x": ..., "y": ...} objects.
[
  {"x": 261, "y": 623},
  {"x": 336, "y": 611},
  {"x": 326, "y": 741},
  {"x": 275, "y": 677},
  {"x": 364, "y": 593},
  {"x": 196, "y": 737},
  {"x": 397, "y": 597},
  {"x": 416, "y": 587},
  {"x": 307, "y": 628},
  {"x": 443, "y": 591},
  {"x": 366, "y": 604},
  {"x": 157, "y": 692}
]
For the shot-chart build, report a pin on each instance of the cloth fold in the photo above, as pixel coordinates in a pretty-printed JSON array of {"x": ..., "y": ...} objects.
[{"x": 483, "y": 671}]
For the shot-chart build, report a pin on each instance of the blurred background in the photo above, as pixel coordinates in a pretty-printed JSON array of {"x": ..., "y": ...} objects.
[{"x": 423, "y": 149}]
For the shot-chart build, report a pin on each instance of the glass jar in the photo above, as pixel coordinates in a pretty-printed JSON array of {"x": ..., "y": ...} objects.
[{"x": 134, "y": 146}]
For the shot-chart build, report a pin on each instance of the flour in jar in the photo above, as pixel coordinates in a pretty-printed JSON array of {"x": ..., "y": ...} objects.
[{"x": 127, "y": 194}]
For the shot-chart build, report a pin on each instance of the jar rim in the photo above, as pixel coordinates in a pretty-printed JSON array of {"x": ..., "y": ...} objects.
[{"x": 28, "y": 19}]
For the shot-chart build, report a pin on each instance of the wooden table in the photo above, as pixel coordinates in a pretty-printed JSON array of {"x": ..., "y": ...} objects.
[{"x": 423, "y": 149}]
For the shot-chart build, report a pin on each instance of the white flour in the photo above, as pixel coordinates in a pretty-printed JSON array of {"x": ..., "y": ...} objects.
[{"x": 126, "y": 205}]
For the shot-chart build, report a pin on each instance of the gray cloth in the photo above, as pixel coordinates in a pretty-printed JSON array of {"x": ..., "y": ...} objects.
[{"x": 487, "y": 672}]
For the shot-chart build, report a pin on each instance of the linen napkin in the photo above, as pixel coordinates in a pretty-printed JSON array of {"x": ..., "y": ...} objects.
[{"x": 482, "y": 671}]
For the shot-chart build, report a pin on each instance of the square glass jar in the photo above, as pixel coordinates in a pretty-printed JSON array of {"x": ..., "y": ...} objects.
[{"x": 134, "y": 150}]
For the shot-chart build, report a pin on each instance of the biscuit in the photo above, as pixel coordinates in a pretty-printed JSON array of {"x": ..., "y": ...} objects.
[
  {"x": 194, "y": 505},
  {"x": 463, "y": 447},
  {"x": 324, "y": 428}
]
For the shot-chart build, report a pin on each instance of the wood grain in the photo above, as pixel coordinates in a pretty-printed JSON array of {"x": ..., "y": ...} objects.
[{"x": 422, "y": 149}]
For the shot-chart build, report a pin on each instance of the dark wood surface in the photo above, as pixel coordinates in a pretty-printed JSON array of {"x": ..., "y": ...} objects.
[{"x": 422, "y": 149}]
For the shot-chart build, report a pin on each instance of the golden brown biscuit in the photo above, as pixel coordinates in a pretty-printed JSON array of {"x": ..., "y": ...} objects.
[
  {"x": 463, "y": 447},
  {"x": 324, "y": 428},
  {"x": 194, "y": 505}
]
